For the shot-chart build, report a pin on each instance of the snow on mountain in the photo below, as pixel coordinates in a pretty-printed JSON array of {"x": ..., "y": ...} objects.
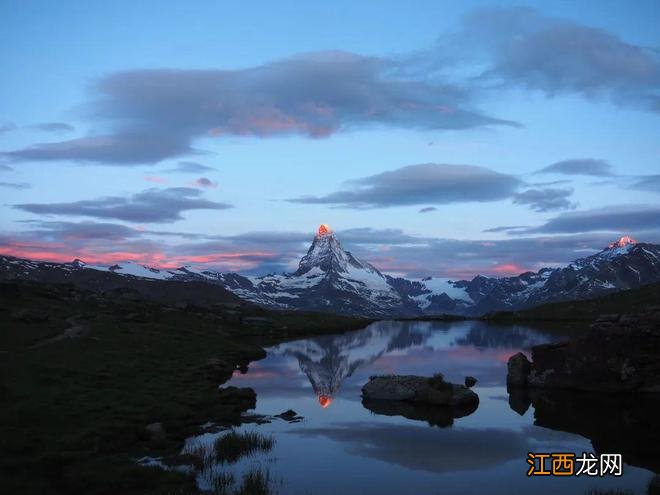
[{"x": 328, "y": 278}]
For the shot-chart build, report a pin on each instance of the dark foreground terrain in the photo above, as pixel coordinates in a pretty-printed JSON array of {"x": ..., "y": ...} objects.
[{"x": 83, "y": 373}]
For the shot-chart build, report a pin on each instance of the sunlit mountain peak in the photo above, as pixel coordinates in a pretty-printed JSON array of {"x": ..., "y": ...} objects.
[
  {"x": 324, "y": 229},
  {"x": 622, "y": 242}
]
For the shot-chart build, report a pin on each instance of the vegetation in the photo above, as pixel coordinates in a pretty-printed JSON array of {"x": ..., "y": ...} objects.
[
  {"x": 234, "y": 445},
  {"x": 75, "y": 409},
  {"x": 628, "y": 301}
]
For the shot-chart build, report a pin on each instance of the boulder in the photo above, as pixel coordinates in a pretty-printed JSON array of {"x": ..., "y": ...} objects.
[
  {"x": 155, "y": 431},
  {"x": 470, "y": 381},
  {"x": 620, "y": 353},
  {"x": 434, "y": 391},
  {"x": 518, "y": 368}
]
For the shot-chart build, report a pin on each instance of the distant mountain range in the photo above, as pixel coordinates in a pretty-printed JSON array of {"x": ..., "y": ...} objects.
[{"x": 331, "y": 279}]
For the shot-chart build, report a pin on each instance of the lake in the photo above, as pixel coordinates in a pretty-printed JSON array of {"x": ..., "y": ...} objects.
[{"x": 342, "y": 446}]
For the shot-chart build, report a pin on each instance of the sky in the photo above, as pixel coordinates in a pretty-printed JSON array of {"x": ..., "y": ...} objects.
[{"x": 436, "y": 138}]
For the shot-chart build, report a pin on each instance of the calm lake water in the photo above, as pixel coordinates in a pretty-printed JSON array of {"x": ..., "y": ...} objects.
[{"x": 343, "y": 447}]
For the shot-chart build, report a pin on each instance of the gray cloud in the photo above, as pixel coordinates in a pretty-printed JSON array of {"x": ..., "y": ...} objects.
[
  {"x": 162, "y": 111},
  {"x": 622, "y": 218},
  {"x": 125, "y": 148},
  {"x": 427, "y": 209},
  {"x": 579, "y": 166},
  {"x": 9, "y": 126},
  {"x": 53, "y": 127},
  {"x": 151, "y": 205},
  {"x": 189, "y": 168},
  {"x": 505, "y": 228},
  {"x": 421, "y": 184},
  {"x": 647, "y": 183},
  {"x": 15, "y": 185},
  {"x": 81, "y": 231},
  {"x": 528, "y": 49},
  {"x": 542, "y": 200},
  {"x": 204, "y": 182},
  {"x": 551, "y": 183}
]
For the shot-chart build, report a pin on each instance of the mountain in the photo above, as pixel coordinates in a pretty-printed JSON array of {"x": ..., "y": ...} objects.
[{"x": 330, "y": 279}]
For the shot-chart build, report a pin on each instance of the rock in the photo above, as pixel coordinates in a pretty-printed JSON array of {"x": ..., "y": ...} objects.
[
  {"x": 620, "y": 353},
  {"x": 156, "y": 431},
  {"x": 421, "y": 389},
  {"x": 29, "y": 316},
  {"x": 288, "y": 414},
  {"x": 470, "y": 381},
  {"x": 216, "y": 370},
  {"x": 518, "y": 368},
  {"x": 257, "y": 321}
]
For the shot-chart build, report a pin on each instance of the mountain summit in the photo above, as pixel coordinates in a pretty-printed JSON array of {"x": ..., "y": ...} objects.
[
  {"x": 622, "y": 242},
  {"x": 327, "y": 255}
]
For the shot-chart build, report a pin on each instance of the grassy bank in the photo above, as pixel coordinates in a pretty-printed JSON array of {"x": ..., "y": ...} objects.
[
  {"x": 628, "y": 301},
  {"x": 82, "y": 375}
]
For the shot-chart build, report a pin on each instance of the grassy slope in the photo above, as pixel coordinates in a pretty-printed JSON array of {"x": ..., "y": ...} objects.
[
  {"x": 586, "y": 310},
  {"x": 74, "y": 411}
]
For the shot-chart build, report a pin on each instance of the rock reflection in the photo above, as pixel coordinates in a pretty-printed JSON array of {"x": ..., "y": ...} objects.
[
  {"x": 624, "y": 424},
  {"x": 434, "y": 415}
]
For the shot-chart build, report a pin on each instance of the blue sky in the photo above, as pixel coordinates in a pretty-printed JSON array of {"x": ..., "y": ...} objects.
[{"x": 358, "y": 115}]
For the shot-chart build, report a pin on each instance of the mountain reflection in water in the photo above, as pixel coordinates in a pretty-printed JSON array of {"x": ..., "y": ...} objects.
[
  {"x": 345, "y": 445},
  {"x": 328, "y": 361}
]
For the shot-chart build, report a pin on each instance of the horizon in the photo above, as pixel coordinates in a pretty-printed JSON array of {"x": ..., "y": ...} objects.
[{"x": 445, "y": 140}]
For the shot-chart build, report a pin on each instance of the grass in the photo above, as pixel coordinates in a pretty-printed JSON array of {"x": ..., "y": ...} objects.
[
  {"x": 234, "y": 445},
  {"x": 74, "y": 412}
]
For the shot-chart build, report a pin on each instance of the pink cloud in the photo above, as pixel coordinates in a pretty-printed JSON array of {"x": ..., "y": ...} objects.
[{"x": 157, "y": 180}]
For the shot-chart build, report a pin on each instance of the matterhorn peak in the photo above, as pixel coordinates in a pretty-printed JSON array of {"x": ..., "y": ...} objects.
[
  {"x": 622, "y": 242},
  {"x": 324, "y": 229}
]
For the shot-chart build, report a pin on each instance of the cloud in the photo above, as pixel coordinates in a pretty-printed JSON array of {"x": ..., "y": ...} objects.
[
  {"x": 505, "y": 228},
  {"x": 427, "y": 209},
  {"x": 256, "y": 253},
  {"x": 123, "y": 148},
  {"x": 9, "y": 126},
  {"x": 53, "y": 127},
  {"x": 5, "y": 168},
  {"x": 647, "y": 183},
  {"x": 156, "y": 114},
  {"x": 543, "y": 200},
  {"x": 15, "y": 185},
  {"x": 205, "y": 183},
  {"x": 151, "y": 205},
  {"x": 551, "y": 183},
  {"x": 622, "y": 218},
  {"x": 557, "y": 56},
  {"x": 579, "y": 166},
  {"x": 155, "y": 179},
  {"x": 421, "y": 184},
  {"x": 189, "y": 168}
]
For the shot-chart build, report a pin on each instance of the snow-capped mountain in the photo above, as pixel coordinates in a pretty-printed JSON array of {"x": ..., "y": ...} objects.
[{"x": 331, "y": 279}]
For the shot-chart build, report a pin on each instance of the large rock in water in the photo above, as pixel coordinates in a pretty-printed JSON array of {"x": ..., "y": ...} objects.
[
  {"x": 620, "y": 353},
  {"x": 422, "y": 389}
]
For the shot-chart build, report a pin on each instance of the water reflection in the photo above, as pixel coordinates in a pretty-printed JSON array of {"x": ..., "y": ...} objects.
[
  {"x": 328, "y": 361},
  {"x": 353, "y": 447},
  {"x": 618, "y": 423},
  {"x": 434, "y": 415}
]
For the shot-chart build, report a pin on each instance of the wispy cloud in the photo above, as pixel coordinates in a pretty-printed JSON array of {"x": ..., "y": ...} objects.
[
  {"x": 151, "y": 205},
  {"x": 579, "y": 166},
  {"x": 421, "y": 184}
]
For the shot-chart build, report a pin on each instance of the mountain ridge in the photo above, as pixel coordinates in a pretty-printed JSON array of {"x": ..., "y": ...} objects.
[{"x": 331, "y": 279}]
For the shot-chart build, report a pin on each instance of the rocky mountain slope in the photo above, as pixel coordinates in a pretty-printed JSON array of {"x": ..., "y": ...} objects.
[{"x": 331, "y": 279}]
